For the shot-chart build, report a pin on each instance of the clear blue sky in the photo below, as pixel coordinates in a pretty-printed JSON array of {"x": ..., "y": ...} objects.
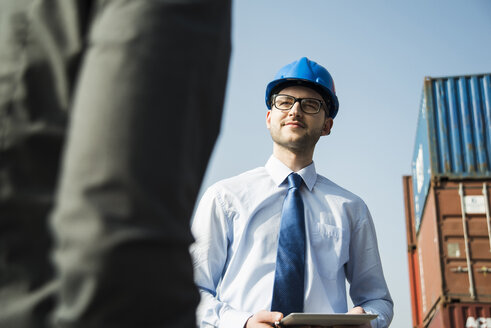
[{"x": 378, "y": 53}]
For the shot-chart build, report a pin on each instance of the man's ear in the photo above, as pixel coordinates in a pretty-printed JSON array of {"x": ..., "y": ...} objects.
[
  {"x": 326, "y": 128},
  {"x": 268, "y": 119}
]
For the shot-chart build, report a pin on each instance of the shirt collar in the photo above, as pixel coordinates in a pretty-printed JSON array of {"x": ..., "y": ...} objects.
[{"x": 279, "y": 171}]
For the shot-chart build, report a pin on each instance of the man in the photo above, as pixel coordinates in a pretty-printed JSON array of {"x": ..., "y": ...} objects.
[
  {"x": 243, "y": 225},
  {"x": 128, "y": 75}
]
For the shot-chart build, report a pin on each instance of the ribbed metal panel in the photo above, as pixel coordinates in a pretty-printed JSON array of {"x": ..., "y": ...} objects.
[
  {"x": 461, "y": 315},
  {"x": 453, "y": 138},
  {"x": 461, "y": 108}
]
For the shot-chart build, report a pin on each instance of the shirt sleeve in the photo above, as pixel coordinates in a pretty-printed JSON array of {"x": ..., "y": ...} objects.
[
  {"x": 212, "y": 231},
  {"x": 368, "y": 288}
]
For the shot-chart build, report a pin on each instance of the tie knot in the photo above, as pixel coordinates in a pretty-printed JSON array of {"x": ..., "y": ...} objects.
[{"x": 294, "y": 180}]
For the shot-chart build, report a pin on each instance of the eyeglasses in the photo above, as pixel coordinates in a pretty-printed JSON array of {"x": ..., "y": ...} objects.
[{"x": 286, "y": 102}]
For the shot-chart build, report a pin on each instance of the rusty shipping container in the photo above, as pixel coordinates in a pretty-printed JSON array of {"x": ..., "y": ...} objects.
[
  {"x": 412, "y": 254},
  {"x": 453, "y": 137},
  {"x": 462, "y": 315},
  {"x": 447, "y": 201},
  {"x": 450, "y": 256}
]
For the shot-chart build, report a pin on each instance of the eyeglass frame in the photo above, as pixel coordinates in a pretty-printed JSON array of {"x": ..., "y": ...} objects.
[{"x": 273, "y": 103}]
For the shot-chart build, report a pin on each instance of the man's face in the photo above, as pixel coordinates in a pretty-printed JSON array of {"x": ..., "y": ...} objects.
[{"x": 294, "y": 129}]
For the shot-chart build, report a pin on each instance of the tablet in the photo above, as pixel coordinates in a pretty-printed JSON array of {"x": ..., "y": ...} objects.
[{"x": 318, "y": 319}]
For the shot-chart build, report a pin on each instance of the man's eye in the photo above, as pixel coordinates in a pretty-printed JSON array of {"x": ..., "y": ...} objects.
[{"x": 312, "y": 103}]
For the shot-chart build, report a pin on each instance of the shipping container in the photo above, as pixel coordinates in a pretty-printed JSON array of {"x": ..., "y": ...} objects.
[
  {"x": 453, "y": 137},
  {"x": 461, "y": 315},
  {"x": 454, "y": 244},
  {"x": 412, "y": 254}
]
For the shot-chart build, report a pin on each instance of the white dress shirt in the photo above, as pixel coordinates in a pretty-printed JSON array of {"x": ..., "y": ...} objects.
[{"x": 236, "y": 227}]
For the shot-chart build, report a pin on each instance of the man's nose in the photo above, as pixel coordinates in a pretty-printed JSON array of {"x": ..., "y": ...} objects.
[{"x": 296, "y": 110}]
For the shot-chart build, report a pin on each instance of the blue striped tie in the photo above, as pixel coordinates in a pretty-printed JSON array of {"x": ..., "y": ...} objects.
[{"x": 288, "y": 288}]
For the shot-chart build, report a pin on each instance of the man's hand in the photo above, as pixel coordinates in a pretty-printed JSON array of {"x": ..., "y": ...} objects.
[
  {"x": 356, "y": 310},
  {"x": 266, "y": 319},
  {"x": 263, "y": 319}
]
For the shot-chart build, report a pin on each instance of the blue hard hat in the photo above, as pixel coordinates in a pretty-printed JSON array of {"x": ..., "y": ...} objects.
[{"x": 310, "y": 74}]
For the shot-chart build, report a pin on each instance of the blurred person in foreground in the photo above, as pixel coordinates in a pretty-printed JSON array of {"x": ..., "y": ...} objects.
[
  {"x": 281, "y": 239},
  {"x": 141, "y": 86}
]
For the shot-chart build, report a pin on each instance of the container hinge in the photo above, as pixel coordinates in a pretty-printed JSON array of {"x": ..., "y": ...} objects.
[
  {"x": 459, "y": 269},
  {"x": 484, "y": 270}
]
